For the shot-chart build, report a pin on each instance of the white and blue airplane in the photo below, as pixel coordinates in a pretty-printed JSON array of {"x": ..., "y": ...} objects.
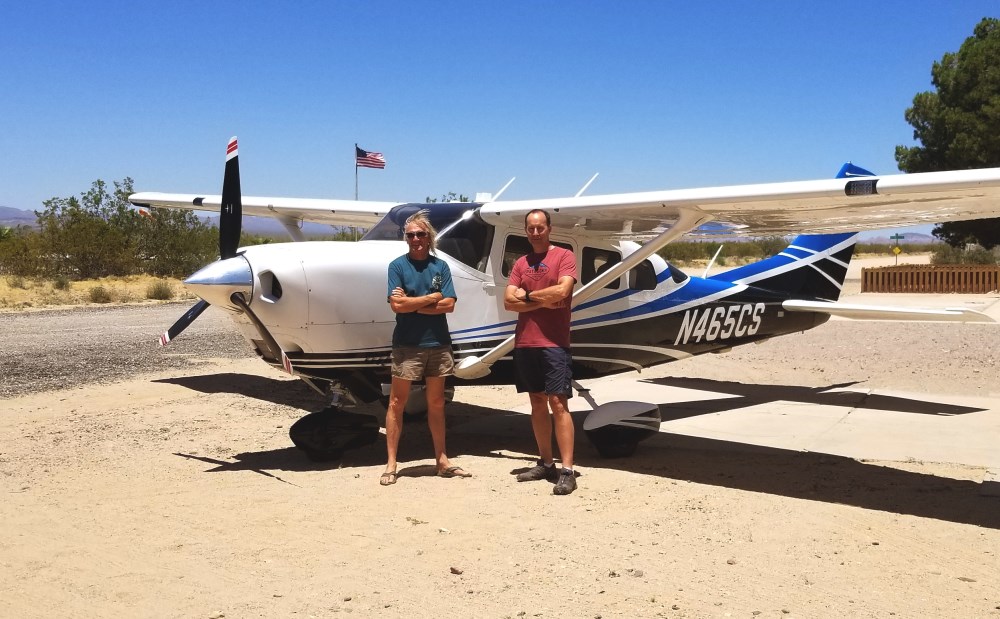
[{"x": 318, "y": 310}]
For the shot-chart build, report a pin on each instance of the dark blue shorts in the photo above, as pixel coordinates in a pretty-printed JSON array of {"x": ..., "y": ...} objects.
[{"x": 543, "y": 370}]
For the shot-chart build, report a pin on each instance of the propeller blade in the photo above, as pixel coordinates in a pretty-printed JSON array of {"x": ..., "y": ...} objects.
[
  {"x": 230, "y": 221},
  {"x": 231, "y": 215},
  {"x": 183, "y": 323}
]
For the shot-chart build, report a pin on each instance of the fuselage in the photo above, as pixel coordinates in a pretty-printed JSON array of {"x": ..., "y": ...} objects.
[{"x": 325, "y": 303}]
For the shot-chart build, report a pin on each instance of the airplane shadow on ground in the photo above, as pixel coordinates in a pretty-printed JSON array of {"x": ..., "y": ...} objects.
[
  {"x": 489, "y": 432},
  {"x": 752, "y": 394},
  {"x": 291, "y": 393}
]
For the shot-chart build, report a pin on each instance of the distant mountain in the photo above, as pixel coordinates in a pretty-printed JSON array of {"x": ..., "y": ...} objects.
[{"x": 13, "y": 217}]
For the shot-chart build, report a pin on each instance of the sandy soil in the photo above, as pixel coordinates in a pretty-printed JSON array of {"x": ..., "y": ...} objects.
[{"x": 176, "y": 493}]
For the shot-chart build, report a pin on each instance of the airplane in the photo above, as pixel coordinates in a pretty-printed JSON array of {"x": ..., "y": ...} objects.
[{"x": 317, "y": 309}]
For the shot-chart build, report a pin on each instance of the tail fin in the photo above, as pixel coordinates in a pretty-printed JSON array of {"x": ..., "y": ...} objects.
[
  {"x": 813, "y": 266},
  {"x": 849, "y": 169}
]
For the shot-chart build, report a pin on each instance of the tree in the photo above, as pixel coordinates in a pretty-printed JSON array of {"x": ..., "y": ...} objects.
[
  {"x": 176, "y": 243},
  {"x": 959, "y": 125},
  {"x": 451, "y": 196},
  {"x": 92, "y": 236},
  {"x": 100, "y": 233}
]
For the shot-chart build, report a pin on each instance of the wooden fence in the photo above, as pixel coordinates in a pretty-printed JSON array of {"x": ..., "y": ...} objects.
[{"x": 943, "y": 278}]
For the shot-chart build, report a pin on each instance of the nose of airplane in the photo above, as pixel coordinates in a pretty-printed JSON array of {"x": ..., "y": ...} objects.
[{"x": 217, "y": 282}]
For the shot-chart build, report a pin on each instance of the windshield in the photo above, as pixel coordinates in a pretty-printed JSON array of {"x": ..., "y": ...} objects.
[
  {"x": 442, "y": 215},
  {"x": 461, "y": 232}
]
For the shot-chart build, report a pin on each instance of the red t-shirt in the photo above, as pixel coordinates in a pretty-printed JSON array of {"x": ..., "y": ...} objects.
[{"x": 544, "y": 327}]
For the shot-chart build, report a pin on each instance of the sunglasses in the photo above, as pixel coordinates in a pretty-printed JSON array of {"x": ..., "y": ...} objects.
[{"x": 416, "y": 235}]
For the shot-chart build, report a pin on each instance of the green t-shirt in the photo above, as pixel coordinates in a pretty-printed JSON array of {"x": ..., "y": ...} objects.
[{"x": 419, "y": 278}]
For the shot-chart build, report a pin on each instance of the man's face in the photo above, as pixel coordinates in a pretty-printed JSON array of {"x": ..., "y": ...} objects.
[
  {"x": 536, "y": 228},
  {"x": 417, "y": 239}
]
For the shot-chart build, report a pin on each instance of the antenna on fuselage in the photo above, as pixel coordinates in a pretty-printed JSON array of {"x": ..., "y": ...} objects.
[
  {"x": 587, "y": 184},
  {"x": 503, "y": 189},
  {"x": 712, "y": 261}
]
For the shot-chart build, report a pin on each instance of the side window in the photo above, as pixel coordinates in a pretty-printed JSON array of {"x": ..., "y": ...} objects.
[
  {"x": 597, "y": 261},
  {"x": 642, "y": 276},
  {"x": 517, "y": 246}
]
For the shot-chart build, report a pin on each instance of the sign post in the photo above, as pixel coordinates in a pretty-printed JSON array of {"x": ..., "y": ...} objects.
[{"x": 897, "y": 249}]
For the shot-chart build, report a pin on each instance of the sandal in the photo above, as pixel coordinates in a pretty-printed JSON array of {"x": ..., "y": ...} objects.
[
  {"x": 453, "y": 471},
  {"x": 388, "y": 478}
]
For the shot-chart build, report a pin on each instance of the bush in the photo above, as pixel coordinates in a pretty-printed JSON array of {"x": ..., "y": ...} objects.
[
  {"x": 946, "y": 254},
  {"x": 61, "y": 283},
  {"x": 99, "y": 294},
  {"x": 160, "y": 290},
  {"x": 17, "y": 281}
]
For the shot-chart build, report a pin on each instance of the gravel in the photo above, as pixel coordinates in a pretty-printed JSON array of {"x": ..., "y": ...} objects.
[{"x": 54, "y": 349}]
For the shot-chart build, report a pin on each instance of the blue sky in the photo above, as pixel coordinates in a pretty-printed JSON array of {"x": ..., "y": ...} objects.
[{"x": 459, "y": 96}]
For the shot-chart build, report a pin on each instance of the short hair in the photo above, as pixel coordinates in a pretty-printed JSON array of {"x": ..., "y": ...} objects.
[
  {"x": 420, "y": 218},
  {"x": 548, "y": 220}
]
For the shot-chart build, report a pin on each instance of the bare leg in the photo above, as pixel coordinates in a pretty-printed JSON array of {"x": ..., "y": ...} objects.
[
  {"x": 398, "y": 395},
  {"x": 435, "y": 418},
  {"x": 541, "y": 424},
  {"x": 565, "y": 433}
]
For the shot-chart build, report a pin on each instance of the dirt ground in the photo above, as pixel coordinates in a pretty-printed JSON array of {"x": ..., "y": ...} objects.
[{"x": 177, "y": 493}]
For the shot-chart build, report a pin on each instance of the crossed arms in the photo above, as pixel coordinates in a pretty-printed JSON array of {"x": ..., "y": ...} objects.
[
  {"x": 515, "y": 299},
  {"x": 433, "y": 303}
]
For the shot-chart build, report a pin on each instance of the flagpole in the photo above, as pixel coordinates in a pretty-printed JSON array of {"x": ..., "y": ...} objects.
[{"x": 355, "y": 171}]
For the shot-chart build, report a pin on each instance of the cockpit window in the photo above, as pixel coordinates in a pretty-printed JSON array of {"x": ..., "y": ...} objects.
[
  {"x": 441, "y": 215},
  {"x": 462, "y": 233}
]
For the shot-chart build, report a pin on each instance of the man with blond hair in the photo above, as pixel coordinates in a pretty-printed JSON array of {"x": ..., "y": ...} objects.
[{"x": 420, "y": 293}]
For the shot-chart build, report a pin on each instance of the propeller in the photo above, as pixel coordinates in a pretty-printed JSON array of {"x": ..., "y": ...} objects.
[{"x": 230, "y": 221}]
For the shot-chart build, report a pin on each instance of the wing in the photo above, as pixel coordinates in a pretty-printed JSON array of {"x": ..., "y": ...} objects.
[
  {"x": 333, "y": 212},
  {"x": 822, "y": 206}
]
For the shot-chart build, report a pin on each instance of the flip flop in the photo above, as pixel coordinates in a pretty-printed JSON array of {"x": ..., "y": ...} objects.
[
  {"x": 388, "y": 479},
  {"x": 454, "y": 471}
]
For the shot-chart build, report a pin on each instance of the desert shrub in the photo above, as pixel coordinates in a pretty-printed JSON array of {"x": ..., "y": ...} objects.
[
  {"x": 772, "y": 245},
  {"x": 159, "y": 290},
  {"x": 61, "y": 282},
  {"x": 16, "y": 281},
  {"x": 978, "y": 255},
  {"x": 946, "y": 254},
  {"x": 99, "y": 294}
]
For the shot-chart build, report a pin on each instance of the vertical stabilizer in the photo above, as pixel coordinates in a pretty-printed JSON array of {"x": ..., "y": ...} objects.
[{"x": 813, "y": 266}]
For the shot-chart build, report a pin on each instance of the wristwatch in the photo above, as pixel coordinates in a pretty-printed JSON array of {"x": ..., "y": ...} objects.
[{"x": 527, "y": 296}]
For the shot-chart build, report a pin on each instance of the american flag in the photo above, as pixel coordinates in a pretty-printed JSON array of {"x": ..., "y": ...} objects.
[{"x": 365, "y": 159}]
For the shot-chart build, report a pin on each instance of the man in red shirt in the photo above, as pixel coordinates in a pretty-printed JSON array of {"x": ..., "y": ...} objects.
[{"x": 539, "y": 289}]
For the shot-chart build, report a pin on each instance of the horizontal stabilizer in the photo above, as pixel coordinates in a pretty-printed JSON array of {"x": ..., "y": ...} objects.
[{"x": 879, "y": 312}]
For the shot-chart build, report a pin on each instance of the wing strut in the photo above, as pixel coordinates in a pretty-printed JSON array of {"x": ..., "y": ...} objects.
[{"x": 473, "y": 367}]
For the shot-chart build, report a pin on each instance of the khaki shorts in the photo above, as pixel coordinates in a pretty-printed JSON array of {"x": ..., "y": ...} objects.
[{"x": 413, "y": 363}]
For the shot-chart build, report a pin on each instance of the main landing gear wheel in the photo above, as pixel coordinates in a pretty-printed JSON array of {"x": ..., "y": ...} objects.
[
  {"x": 324, "y": 436},
  {"x": 616, "y": 428}
]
